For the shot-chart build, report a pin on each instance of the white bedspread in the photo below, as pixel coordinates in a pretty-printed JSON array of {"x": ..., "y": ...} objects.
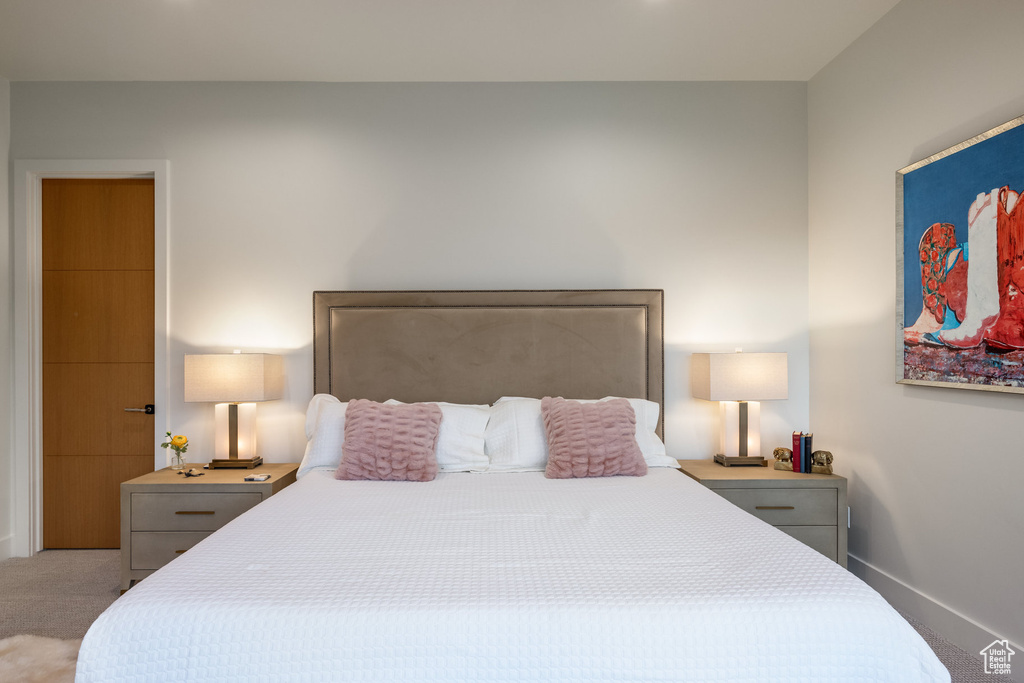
[{"x": 502, "y": 577}]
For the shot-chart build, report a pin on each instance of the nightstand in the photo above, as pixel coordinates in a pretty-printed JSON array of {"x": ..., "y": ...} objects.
[
  {"x": 164, "y": 513},
  {"x": 809, "y": 507}
]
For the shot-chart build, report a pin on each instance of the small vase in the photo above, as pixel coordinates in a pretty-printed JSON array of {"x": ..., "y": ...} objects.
[{"x": 177, "y": 461}]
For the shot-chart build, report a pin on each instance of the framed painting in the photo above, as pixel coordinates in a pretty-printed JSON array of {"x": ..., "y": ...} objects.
[{"x": 960, "y": 265}]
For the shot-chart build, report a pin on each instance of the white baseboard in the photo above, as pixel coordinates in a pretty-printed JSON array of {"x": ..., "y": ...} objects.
[
  {"x": 958, "y": 629},
  {"x": 6, "y": 547}
]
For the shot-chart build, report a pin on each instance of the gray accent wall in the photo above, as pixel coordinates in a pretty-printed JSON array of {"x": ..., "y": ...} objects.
[
  {"x": 280, "y": 189},
  {"x": 935, "y": 474}
]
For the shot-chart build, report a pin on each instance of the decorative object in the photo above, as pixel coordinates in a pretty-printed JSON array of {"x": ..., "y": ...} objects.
[
  {"x": 389, "y": 442},
  {"x": 783, "y": 459},
  {"x": 739, "y": 381},
  {"x": 192, "y": 472},
  {"x": 595, "y": 439},
  {"x": 821, "y": 462},
  {"x": 235, "y": 382},
  {"x": 178, "y": 444},
  {"x": 960, "y": 256}
]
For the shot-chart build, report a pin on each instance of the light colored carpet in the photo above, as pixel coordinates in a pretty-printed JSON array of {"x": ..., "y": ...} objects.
[
  {"x": 59, "y": 593},
  {"x": 963, "y": 666}
]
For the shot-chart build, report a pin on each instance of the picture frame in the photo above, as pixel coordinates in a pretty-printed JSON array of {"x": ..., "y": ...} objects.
[{"x": 960, "y": 265}]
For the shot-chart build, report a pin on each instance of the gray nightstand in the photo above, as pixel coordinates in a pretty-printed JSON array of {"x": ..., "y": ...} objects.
[
  {"x": 809, "y": 507},
  {"x": 164, "y": 513}
]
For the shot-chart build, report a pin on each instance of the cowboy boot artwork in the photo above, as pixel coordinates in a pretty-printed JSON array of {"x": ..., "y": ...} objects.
[
  {"x": 935, "y": 245},
  {"x": 982, "y": 308},
  {"x": 953, "y": 290},
  {"x": 1008, "y": 331}
]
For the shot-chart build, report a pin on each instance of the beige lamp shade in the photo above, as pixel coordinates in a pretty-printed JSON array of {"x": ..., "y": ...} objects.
[
  {"x": 739, "y": 376},
  {"x": 233, "y": 377}
]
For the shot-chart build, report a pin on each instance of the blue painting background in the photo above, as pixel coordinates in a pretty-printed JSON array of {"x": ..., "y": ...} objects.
[{"x": 942, "y": 191}]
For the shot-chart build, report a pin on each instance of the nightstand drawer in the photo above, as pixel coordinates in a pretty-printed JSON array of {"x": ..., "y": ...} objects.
[
  {"x": 188, "y": 511},
  {"x": 824, "y": 539},
  {"x": 780, "y": 506},
  {"x": 154, "y": 549}
]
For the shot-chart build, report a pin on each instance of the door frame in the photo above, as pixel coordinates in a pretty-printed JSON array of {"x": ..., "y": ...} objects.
[{"x": 27, "y": 493}]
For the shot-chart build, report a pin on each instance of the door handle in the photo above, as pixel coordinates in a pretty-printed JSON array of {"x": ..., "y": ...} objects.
[{"x": 150, "y": 409}]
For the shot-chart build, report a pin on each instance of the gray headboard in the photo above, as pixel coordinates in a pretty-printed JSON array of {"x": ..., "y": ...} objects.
[{"x": 476, "y": 346}]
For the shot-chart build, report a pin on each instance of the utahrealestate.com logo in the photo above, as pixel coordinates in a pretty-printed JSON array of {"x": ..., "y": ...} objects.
[{"x": 997, "y": 657}]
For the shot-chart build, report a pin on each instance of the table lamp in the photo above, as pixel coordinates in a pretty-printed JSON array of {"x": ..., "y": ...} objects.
[
  {"x": 235, "y": 382},
  {"x": 739, "y": 381}
]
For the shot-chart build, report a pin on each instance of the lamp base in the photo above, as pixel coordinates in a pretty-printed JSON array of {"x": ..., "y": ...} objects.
[
  {"x": 235, "y": 463},
  {"x": 729, "y": 461}
]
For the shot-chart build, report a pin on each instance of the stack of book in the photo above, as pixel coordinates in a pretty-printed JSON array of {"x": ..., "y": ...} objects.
[{"x": 802, "y": 451}]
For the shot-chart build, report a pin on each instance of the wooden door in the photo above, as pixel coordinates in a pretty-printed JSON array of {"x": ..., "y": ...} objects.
[{"x": 97, "y": 353}]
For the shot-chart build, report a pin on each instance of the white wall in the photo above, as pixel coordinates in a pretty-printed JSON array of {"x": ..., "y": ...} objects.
[
  {"x": 278, "y": 190},
  {"x": 935, "y": 474},
  {"x": 6, "y": 342}
]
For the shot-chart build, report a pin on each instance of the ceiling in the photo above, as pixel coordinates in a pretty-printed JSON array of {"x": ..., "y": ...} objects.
[{"x": 427, "y": 40}]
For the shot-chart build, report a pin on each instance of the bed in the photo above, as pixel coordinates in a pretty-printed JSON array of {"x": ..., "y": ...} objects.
[{"x": 499, "y": 576}]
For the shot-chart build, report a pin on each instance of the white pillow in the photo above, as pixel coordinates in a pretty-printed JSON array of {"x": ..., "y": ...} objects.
[
  {"x": 460, "y": 440},
  {"x": 516, "y": 441},
  {"x": 325, "y": 431}
]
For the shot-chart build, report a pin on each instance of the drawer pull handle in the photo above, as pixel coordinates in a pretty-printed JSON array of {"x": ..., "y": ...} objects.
[
  {"x": 194, "y": 512},
  {"x": 775, "y": 507},
  {"x": 178, "y": 552}
]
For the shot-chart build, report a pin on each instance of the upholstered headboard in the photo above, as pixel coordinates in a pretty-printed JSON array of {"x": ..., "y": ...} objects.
[{"x": 476, "y": 346}]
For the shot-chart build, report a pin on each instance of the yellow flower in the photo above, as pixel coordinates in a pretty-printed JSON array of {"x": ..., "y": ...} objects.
[{"x": 179, "y": 441}]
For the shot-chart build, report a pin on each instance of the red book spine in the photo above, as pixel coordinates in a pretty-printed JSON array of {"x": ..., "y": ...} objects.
[{"x": 796, "y": 451}]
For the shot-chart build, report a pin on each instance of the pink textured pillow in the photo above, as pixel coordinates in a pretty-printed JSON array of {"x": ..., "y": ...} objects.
[
  {"x": 389, "y": 442},
  {"x": 591, "y": 439}
]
